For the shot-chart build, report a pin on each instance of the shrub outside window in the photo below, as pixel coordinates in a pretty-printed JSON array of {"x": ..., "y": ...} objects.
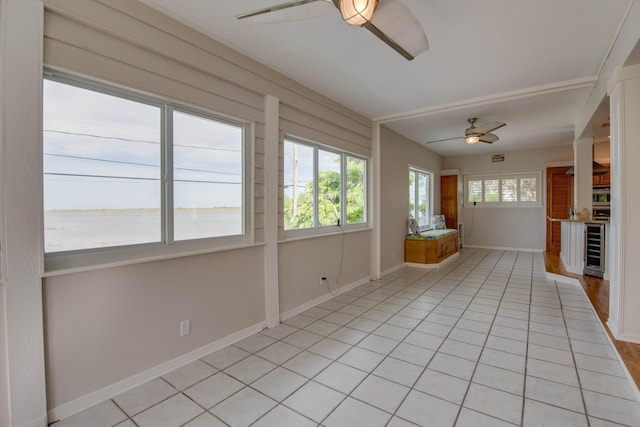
[{"x": 322, "y": 187}]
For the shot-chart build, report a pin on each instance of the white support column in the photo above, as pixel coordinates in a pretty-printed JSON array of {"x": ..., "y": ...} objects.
[
  {"x": 624, "y": 287},
  {"x": 374, "y": 205},
  {"x": 21, "y": 38},
  {"x": 271, "y": 167},
  {"x": 583, "y": 177}
]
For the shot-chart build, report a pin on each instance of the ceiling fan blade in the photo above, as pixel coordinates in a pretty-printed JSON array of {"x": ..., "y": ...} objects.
[
  {"x": 395, "y": 24},
  {"x": 489, "y": 127},
  {"x": 489, "y": 138},
  {"x": 392, "y": 44},
  {"x": 445, "y": 139},
  {"x": 289, "y": 11}
]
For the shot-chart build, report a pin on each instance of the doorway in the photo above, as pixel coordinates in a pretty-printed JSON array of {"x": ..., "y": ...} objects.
[{"x": 559, "y": 198}]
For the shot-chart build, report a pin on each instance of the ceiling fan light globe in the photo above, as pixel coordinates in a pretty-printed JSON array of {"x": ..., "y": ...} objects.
[
  {"x": 357, "y": 12},
  {"x": 472, "y": 139}
]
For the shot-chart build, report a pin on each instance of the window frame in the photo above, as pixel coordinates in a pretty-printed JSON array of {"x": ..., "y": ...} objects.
[
  {"x": 417, "y": 170},
  {"x": 317, "y": 229},
  {"x": 500, "y": 177},
  {"x": 167, "y": 247}
]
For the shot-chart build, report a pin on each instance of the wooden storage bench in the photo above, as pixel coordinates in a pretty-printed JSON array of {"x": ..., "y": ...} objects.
[{"x": 432, "y": 247}]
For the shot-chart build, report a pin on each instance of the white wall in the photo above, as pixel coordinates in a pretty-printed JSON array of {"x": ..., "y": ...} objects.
[
  {"x": 105, "y": 325},
  {"x": 624, "y": 316},
  {"x": 342, "y": 259},
  {"x": 4, "y": 374},
  {"x": 517, "y": 228},
  {"x": 397, "y": 153},
  {"x": 20, "y": 219}
]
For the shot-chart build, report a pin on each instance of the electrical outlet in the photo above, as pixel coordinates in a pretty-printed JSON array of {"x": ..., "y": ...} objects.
[
  {"x": 185, "y": 327},
  {"x": 323, "y": 280}
]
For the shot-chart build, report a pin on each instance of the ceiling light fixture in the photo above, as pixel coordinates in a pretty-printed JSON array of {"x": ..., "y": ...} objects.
[
  {"x": 357, "y": 12},
  {"x": 472, "y": 139}
]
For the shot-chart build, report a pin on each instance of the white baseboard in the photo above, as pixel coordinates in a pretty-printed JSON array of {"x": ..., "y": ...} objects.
[
  {"x": 433, "y": 266},
  {"x": 570, "y": 268},
  {"x": 563, "y": 279},
  {"x": 38, "y": 422},
  {"x": 392, "y": 269},
  {"x": 88, "y": 400},
  {"x": 613, "y": 327},
  {"x": 84, "y": 402},
  {"x": 504, "y": 248},
  {"x": 625, "y": 337},
  {"x": 420, "y": 265},
  {"x": 310, "y": 304}
]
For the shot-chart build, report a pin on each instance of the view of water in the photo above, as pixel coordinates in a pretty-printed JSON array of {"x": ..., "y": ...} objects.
[{"x": 66, "y": 230}]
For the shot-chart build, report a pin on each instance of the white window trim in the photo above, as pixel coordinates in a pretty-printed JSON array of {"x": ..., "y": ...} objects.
[
  {"x": 323, "y": 230},
  {"x": 431, "y": 179},
  {"x": 92, "y": 258},
  {"x": 500, "y": 176}
]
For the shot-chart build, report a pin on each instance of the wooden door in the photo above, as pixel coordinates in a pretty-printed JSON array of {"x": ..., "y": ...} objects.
[
  {"x": 559, "y": 195},
  {"x": 449, "y": 200}
]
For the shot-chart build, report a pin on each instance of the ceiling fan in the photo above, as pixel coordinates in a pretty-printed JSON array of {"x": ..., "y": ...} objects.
[
  {"x": 474, "y": 134},
  {"x": 389, "y": 20}
]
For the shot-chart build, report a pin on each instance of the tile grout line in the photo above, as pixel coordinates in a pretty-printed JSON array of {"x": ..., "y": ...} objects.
[
  {"x": 484, "y": 345},
  {"x": 449, "y": 270},
  {"x": 334, "y": 360},
  {"x": 573, "y": 357},
  {"x": 402, "y": 287},
  {"x": 479, "y": 262},
  {"x": 526, "y": 356}
]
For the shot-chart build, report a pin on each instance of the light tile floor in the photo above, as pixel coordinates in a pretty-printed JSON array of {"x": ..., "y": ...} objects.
[{"x": 484, "y": 340}]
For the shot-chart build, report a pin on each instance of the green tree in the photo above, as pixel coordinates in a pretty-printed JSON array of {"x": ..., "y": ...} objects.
[
  {"x": 328, "y": 200},
  {"x": 356, "y": 196}
]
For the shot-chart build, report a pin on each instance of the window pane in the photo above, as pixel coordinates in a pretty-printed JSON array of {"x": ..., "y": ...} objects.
[
  {"x": 510, "y": 190},
  {"x": 528, "y": 189},
  {"x": 207, "y": 177},
  {"x": 101, "y": 164},
  {"x": 356, "y": 170},
  {"x": 423, "y": 199},
  {"x": 412, "y": 194},
  {"x": 298, "y": 185},
  {"x": 491, "y": 192},
  {"x": 474, "y": 191},
  {"x": 328, "y": 188}
]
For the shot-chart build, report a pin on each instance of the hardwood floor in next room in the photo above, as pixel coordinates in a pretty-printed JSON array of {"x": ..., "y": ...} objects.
[{"x": 597, "y": 291}]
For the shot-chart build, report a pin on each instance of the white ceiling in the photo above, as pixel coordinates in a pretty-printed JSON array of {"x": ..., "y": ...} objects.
[{"x": 530, "y": 64}]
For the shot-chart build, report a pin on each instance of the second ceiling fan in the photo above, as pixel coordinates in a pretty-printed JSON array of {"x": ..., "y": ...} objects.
[
  {"x": 389, "y": 20},
  {"x": 474, "y": 134}
]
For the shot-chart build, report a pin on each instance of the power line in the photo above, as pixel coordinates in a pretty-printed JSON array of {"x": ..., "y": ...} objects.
[
  {"x": 143, "y": 141},
  {"x": 136, "y": 178},
  {"x": 135, "y": 163}
]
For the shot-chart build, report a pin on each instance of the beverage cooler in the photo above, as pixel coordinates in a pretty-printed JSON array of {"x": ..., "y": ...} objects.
[{"x": 594, "y": 249}]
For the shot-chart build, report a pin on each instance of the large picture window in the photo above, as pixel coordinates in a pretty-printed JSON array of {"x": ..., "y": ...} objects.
[
  {"x": 120, "y": 169},
  {"x": 504, "y": 190},
  {"x": 322, "y": 187},
  {"x": 420, "y": 197}
]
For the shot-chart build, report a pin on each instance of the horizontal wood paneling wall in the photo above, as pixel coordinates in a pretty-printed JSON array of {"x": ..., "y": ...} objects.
[{"x": 132, "y": 45}]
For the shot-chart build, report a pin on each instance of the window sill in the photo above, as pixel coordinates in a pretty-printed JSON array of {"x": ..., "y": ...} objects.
[
  {"x": 500, "y": 205},
  {"x": 57, "y": 265},
  {"x": 338, "y": 231}
]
